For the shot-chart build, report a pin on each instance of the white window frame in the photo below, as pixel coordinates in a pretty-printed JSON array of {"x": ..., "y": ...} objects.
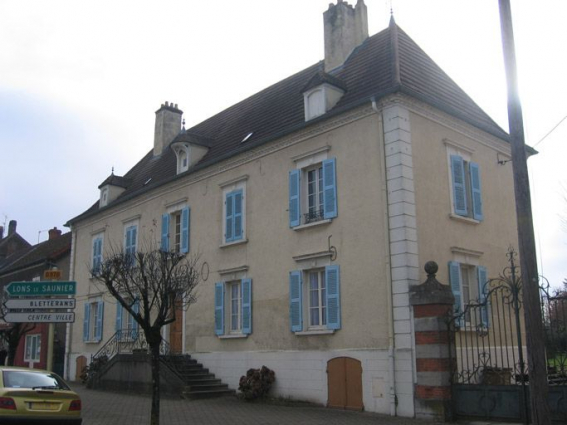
[
  {"x": 104, "y": 193},
  {"x": 33, "y": 342},
  {"x": 466, "y": 153},
  {"x": 321, "y": 298},
  {"x": 94, "y": 238},
  {"x": 305, "y": 163},
  {"x": 234, "y": 312},
  {"x": 314, "y": 103},
  {"x": 182, "y": 152},
  {"x": 227, "y": 188}
]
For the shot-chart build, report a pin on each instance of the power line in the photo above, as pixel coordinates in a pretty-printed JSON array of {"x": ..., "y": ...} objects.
[{"x": 551, "y": 131}]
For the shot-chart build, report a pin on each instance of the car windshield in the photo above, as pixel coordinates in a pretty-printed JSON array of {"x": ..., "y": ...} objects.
[{"x": 35, "y": 380}]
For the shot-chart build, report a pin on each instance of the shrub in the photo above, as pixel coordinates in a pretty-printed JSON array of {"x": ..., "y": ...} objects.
[
  {"x": 88, "y": 372},
  {"x": 257, "y": 383}
]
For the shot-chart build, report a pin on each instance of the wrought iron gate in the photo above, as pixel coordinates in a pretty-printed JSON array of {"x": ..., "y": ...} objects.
[{"x": 489, "y": 375}]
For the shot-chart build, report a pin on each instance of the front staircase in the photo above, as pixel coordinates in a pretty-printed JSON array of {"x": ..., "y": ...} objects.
[{"x": 199, "y": 382}]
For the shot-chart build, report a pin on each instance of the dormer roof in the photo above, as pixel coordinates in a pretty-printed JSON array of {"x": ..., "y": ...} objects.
[
  {"x": 321, "y": 77},
  {"x": 193, "y": 138},
  {"x": 113, "y": 180}
]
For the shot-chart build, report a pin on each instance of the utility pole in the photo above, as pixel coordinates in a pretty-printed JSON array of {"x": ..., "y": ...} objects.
[{"x": 537, "y": 367}]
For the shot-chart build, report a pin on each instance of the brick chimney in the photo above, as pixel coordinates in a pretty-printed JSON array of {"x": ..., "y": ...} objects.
[
  {"x": 346, "y": 27},
  {"x": 168, "y": 125},
  {"x": 54, "y": 233},
  {"x": 12, "y": 227}
]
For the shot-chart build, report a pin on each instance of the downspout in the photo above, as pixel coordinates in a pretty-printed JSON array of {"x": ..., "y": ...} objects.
[
  {"x": 69, "y": 326},
  {"x": 391, "y": 340}
]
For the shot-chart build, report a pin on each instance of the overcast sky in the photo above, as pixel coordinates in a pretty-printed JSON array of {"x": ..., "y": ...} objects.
[{"x": 80, "y": 82}]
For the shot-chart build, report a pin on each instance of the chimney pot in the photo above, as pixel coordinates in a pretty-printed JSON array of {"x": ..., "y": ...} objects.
[
  {"x": 54, "y": 233},
  {"x": 168, "y": 125},
  {"x": 12, "y": 227}
]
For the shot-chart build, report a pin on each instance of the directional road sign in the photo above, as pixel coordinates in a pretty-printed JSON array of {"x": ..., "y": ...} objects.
[
  {"x": 38, "y": 317},
  {"x": 34, "y": 289},
  {"x": 40, "y": 303}
]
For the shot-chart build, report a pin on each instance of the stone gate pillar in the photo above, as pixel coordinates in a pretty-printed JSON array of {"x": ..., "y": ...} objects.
[{"x": 432, "y": 302}]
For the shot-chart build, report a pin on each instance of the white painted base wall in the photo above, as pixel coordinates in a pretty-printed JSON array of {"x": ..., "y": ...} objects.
[{"x": 301, "y": 375}]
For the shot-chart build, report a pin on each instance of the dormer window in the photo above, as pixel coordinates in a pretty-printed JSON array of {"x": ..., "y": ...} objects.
[
  {"x": 321, "y": 94},
  {"x": 104, "y": 197},
  {"x": 314, "y": 104},
  {"x": 182, "y": 153},
  {"x": 189, "y": 149}
]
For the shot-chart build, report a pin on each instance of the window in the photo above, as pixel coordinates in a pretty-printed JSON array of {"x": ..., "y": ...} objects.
[
  {"x": 312, "y": 193},
  {"x": 233, "y": 216},
  {"x": 126, "y": 326},
  {"x": 314, "y": 104},
  {"x": 32, "y": 348},
  {"x": 96, "y": 254},
  {"x": 182, "y": 152},
  {"x": 130, "y": 242},
  {"x": 104, "y": 197},
  {"x": 467, "y": 199},
  {"x": 468, "y": 284},
  {"x": 317, "y": 299},
  {"x": 323, "y": 307},
  {"x": 175, "y": 230},
  {"x": 233, "y": 307},
  {"x": 93, "y": 320}
]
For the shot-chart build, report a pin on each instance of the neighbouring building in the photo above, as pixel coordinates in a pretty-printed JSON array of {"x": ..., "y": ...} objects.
[
  {"x": 29, "y": 264},
  {"x": 313, "y": 205}
]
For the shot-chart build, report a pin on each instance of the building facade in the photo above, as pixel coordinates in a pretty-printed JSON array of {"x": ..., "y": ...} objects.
[{"x": 313, "y": 206}]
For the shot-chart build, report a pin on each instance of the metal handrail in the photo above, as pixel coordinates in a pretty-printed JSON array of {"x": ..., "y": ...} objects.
[{"x": 126, "y": 341}]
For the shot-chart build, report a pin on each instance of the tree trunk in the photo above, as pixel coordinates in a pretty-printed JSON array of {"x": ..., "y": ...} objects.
[
  {"x": 154, "y": 343},
  {"x": 11, "y": 354}
]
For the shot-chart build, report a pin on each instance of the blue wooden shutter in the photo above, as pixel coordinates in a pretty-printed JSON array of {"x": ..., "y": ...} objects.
[
  {"x": 476, "y": 191},
  {"x": 219, "y": 308},
  {"x": 455, "y": 281},
  {"x": 482, "y": 277},
  {"x": 99, "y": 321},
  {"x": 185, "y": 219},
  {"x": 165, "y": 232},
  {"x": 237, "y": 197},
  {"x": 295, "y": 303},
  {"x": 459, "y": 186},
  {"x": 294, "y": 210},
  {"x": 330, "y": 188},
  {"x": 87, "y": 322},
  {"x": 118, "y": 323},
  {"x": 229, "y": 217},
  {"x": 333, "y": 285},
  {"x": 246, "y": 286}
]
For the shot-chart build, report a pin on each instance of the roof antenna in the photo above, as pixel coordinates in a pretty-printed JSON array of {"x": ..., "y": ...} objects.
[{"x": 391, "y": 8}]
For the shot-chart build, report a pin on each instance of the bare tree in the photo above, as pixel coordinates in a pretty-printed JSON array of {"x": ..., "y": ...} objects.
[
  {"x": 157, "y": 281},
  {"x": 12, "y": 335}
]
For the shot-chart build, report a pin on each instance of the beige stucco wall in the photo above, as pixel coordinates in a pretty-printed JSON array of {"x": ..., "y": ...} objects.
[
  {"x": 438, "y": 231},
  {"x": 357, "y": 233}
]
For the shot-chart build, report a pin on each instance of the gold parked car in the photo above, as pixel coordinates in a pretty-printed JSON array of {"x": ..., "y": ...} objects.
[{"x": 29, "y": 396}]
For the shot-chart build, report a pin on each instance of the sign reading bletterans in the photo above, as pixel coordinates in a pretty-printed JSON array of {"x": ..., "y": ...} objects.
[{"x": 32, "y": 289}]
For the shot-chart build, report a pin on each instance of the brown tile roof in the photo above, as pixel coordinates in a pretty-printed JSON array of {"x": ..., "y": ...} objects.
[
  {"x": 50, "y": 250},
  {"x": 369, "y": 73}
]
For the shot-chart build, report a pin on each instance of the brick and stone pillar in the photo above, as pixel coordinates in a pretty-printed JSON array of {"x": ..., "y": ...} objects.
[{"x": 432, "y": 302}]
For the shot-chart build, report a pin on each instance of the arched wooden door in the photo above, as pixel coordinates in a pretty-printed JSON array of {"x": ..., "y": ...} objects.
[
  {"x": 344, "y": 378},
  {"x": 80, "y": 363}
]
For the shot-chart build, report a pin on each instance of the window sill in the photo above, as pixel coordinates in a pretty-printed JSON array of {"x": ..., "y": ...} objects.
[
  {"x": 92, "y": 342},
  {"x": 233, "y": 336},
  {"x": 315, "y": 332},
  {"x": 316, "y": 223},
  {"x": 238, "y": 242},
  {"x": 463, "y": 219}
]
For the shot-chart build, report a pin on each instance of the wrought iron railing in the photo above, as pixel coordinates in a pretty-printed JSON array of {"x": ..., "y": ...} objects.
[
  {"x": 127, "y": 341},
  {"x": 313, "y": 216},
  {"x": 554, "y": 312}
]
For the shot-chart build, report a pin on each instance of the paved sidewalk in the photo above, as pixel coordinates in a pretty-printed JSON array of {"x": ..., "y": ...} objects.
[{"x": 107, "y": 408}]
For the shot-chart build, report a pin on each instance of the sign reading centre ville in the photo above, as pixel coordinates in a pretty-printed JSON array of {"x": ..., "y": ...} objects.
[
  {"x": 34, "y": 289},
  {"x": 37, "y": 317}
]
